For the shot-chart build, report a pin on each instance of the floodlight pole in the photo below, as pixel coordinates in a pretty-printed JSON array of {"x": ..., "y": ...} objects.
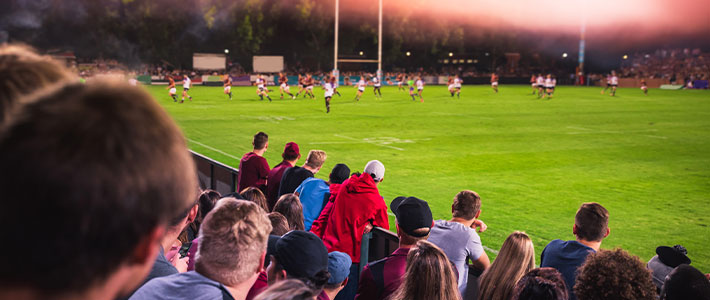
[
  {"x": 379, "y": 45},
  {"x": 582, "y": 33},
  {"x": 335, "y": 48}
]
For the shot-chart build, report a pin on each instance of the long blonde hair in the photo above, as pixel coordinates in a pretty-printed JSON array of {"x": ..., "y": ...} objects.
[
  {"x": 516, "y": 258},
  {"x": 429, "y": 275}
]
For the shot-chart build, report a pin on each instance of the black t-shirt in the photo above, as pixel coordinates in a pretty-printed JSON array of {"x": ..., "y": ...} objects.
[{"x": 292, "y": 178}]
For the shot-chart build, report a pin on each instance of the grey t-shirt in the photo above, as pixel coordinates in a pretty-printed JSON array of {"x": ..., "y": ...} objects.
[
  {"x": 458, "y": 242},
  {"x": 189, "y": 285}
]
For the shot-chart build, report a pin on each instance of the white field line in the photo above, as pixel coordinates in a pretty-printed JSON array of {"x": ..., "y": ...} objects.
[
  {"x": 593, "y": 131},
  {"x": 489, "y": 249},
  {"x": 390, "y": 214},
  {"x": 214, "y": 149},
  {"x": 369, "y": 142}
]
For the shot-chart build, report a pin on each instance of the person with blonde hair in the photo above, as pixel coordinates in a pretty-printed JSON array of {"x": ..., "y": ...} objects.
[
  {"x": 516, "y": 258},
  {"x": 230, "y": 256},
  {"x": 293, "y": 177},
  {"x": 24, "y": 72},
  {"x": 429, "y": 275}
]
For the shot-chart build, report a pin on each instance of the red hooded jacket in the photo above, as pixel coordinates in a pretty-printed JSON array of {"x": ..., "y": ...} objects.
[
  {"x": 318, "y": 226},
  {"x": 357, "y": 204}
]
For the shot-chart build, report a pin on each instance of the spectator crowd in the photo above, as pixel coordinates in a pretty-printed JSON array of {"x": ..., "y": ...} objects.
[{"x": 114, "y": 211}]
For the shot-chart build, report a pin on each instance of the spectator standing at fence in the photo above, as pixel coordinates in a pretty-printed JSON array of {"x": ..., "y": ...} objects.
[
  {"x": 108, "y": 190},
  {"x": 293, "y": 177},
  {"x": 379, "y": 279},
  {"x": 358, "y": 208},
  {"x": 290, "y": 156},
  {"x": 336, "y": 180},
  {"x": 591, "y": 226},
  {"x": 458, "y": 237},
  {"x": 231, "y": 255},
  {"x": 253, "y": 168},
  {"x": 315, "y": 193}
]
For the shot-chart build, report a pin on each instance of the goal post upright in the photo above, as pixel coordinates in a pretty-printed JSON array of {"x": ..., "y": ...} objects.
[{"x": 379, "y": 44}]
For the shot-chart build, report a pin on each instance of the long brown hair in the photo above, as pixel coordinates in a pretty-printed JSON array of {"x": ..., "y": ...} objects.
[
  {"x": 290, "y": 206},
  {"x": 516, "y": 258},
  {"x": 429, "y": 275},
  {"x": 255, "y": 195}
]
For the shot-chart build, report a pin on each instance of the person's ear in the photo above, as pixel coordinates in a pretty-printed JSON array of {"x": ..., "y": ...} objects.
[
  {"x": 478, "y": 214},
  {"x": 262, "y": 260},
  {"x": 193, "y": 214},
  {"x": 574, "y": 229},
  {"x": 147, "y": 248},
  {"x": 345, "y": 282},
  {"x": 608, "y": 230}
]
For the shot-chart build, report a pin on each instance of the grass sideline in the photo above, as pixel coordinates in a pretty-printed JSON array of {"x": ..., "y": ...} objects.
[{"x": 645, "y": 158}]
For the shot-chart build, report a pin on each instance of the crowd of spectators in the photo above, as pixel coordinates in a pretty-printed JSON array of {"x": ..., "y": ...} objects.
[
  {"x": 117, "y": 213},
  {"x": 675, "y": 65}
]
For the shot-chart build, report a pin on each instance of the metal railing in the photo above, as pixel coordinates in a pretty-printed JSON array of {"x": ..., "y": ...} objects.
[{"x": 215, "y": 175}]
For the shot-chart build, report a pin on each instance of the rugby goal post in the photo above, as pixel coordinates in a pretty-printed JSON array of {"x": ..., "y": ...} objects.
[{"x": 336, "y": 59}]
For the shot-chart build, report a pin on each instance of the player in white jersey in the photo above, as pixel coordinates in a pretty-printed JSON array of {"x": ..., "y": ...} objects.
[
  {"x": 540, "y": 82},
  {"x": 186, "y": 85},
  {"x": 549, "y": 85},
  {"x": 329, "y": 87},
  {"x": 450, "y": 85},
  {"x": 172, "y": 91},
  {"x": 228, "y": 86},
  {"x": 377, "y": 85},
  {"x": 261, "y": 88},
  {"x": 608, "y": 83},
  {"x": 614, "y": 82},
  {"x": 457, "y": 86},
  {"x": 533, "y": 84},
  {"x": 360, "y": 88},
  {"x": 420, "y": 88}
]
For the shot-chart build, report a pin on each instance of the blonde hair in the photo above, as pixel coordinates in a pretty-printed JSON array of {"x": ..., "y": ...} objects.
[
  {"x": 316, "y": 158},
  {"x": 516, "y": 258},
  {"x": 429, "y": 275},
  {"x": 24, "y": 71},
  {"x": 232, "y": 240}
]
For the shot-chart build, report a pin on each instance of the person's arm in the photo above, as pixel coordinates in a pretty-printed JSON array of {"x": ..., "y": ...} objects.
[
  {"x": 381, "y": 219},
  {"x": 478, "y": 256},
  {"x": 483, "y": 262}
]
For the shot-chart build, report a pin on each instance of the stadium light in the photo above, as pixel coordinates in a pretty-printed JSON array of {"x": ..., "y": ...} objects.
[
  {"x": 451, "y": 54},
  {"x": 564, "y": 55},
  {"x": 362, "y": 53},
  {"x": 626, "y": 56},
  {"x": 226, "y": 51},
  {"x": 408, "y": 53},
  {"x": 487, "y": 54}
]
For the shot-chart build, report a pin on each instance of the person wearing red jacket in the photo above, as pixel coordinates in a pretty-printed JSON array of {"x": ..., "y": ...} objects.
[{"x": 357, "y": 209}]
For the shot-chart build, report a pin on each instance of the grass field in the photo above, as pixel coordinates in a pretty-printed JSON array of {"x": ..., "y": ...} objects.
[{"x": 645, "y": 158}]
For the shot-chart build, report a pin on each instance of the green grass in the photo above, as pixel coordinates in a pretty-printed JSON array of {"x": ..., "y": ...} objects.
[{"x": 645, "y": 158}]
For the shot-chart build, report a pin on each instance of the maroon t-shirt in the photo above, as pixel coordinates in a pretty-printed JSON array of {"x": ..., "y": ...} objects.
[
  {"x": 253, "y": 171},
  {"x": 272, "y": 187},
  {"x": 393, "y": 273},
  {"x": 259, "y": 286}
]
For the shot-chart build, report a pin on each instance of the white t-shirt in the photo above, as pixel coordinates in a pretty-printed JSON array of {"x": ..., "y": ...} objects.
[
  {"x": 186, "y": 83},
  {"x": 260, "y": 83},
  {"x": 548, "y": 82},
  {"x": 375, "y": 82},
  {"x": 614, "y": 80},
  {"x": 457, "y": 82},
  {"x": 420, "y": 84},
  {"x": 328, "y": 89},
  {"x": 361, "y": 85},
  {"x": 540, "y": 80},
  {"x": 458, "y": 242}
]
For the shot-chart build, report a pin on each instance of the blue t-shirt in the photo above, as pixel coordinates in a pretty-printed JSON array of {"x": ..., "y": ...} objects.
[
  {"x": 566, "y": 257},
  {"x": 312, "y": 193},
  {"x": 458, "y": 242},
  {"x": 189, "y": 285}
]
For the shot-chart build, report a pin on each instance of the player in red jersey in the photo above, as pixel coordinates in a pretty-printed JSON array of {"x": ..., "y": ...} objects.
[
  {"x": 533, "y": 84},
  {"x": 644, "y": 87},
  {"x": 494, "y": 82},
  {"x": 228, "y": 86},
  {"x": 171, "y": 88},
  {"x": 283, "y": 86}
]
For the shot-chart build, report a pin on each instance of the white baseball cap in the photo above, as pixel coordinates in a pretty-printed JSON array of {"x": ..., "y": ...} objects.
[{"x": 376, "y": 169}]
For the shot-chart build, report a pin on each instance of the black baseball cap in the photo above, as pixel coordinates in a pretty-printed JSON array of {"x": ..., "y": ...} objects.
[
  {"x": 412, "y": 213},
  {"x": 301, "y": 254},
  {"x": 340, "y": 173},
  {"x": 673, "y": 256}
]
